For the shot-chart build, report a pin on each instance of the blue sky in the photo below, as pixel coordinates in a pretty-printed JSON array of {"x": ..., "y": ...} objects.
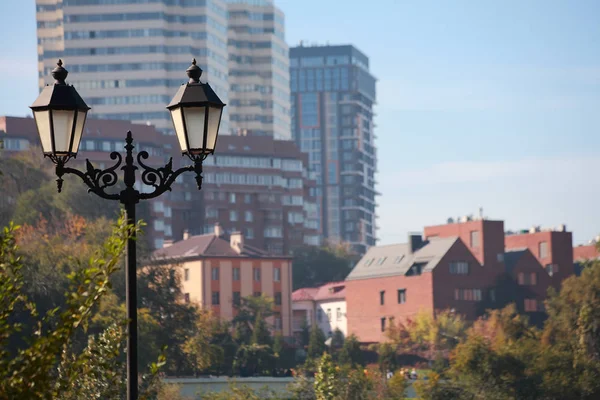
[{"x": 491, "y": 104}]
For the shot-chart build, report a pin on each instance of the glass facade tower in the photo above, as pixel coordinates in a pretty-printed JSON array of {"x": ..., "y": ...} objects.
[{"x": 333, "y": 94}]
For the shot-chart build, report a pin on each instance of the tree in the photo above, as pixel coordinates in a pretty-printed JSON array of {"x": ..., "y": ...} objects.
[
  {"x": 316, "y": 343},
  {"x": 326, "y": 385},
  {"x": 251, "y": 313},
  {"x": 47, "y": 366},
  {"x": 386, "y": 353},
  {"x": 314, "y": 266},
  {"x": 351, "y": 352},
  {"x": 337, "y": 339}
]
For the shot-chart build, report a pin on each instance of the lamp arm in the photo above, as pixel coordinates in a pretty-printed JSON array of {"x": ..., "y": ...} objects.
[
  {"x": 95, "y": 179},
  {"x": 163, "y": 178}
]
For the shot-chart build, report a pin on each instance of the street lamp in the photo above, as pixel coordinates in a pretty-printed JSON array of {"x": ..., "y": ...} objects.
[{"x": 60, "y": 115}]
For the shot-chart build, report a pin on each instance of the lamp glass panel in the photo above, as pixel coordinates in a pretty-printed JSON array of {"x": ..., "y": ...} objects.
[
  {"x": 214, "y": 119},
  {"x": 63, "y": 128},
  {"x": 81, "y": 115},
  {"x": 42, "y": 120},
  {"x": 194, "y": 121},
  {"x": 179, "y": 128}
]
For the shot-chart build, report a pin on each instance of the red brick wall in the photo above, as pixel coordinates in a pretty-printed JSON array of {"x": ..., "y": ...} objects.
[
  {"x": 444, "y": 283},
  {"x": 491, "y": 240},
  {"x": 560, "y": 250},
  {"x": 364, "y": 311},
  {"x": 588, "y": 252}
]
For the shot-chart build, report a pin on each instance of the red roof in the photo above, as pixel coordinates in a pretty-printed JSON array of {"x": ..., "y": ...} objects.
[{"x": 329, "y": 291}]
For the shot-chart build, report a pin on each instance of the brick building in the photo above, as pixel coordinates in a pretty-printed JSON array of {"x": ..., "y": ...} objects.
[
  {"x": 254, "y": 183},
  {"x": 462, "y": 266},
  {"x": 100, "y": 138},
  {"x": 216, "y": 271},
  {"x": 586, "y": 252},
  {"x": 260, "y": 186}
]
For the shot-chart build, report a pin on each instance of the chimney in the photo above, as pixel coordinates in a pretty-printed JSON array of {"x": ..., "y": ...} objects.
[
  {"x": 415, "y": 242},
  {"x": 186, "y": 234},
  {"x": 218, "y": 230},
  {"x": 167, "y": 243},
  {"x": 236, "y": 241}
]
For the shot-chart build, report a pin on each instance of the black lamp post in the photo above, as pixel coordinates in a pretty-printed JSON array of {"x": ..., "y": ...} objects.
[{"x": 60, "y": 115}]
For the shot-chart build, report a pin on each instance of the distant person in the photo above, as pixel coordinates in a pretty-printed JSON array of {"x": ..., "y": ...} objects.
[
  {"x": 413, "y": 374},
  {"x": 389, "y": 374}
]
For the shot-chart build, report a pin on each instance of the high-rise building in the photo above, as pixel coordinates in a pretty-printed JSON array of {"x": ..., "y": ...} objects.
[
  {"x": 127, "y": 57},
  {"x": 259, "y": 87},
  {"x": 333, "y": 94}
]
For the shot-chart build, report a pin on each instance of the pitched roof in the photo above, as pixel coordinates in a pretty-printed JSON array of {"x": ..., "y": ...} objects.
[
  {"x": 331, "y": 291},
  {"x": 396, "y": 259},
  {"x": 304, "y": 294},
  {"x": 511, "y": 257},
  {"x": 208, "y": 245}
]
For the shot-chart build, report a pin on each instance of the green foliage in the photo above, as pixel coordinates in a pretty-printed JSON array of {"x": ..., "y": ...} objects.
[
  {"x": 387, "y": 357},
  {"x": 351, "y": 352},
  {"x": 47, "y": 367},
  {"x": 314, "y": 266},
  {"x": 326, "y": 379},
  {"x": 316, "y": 343},
  {"x": 337, "y": 339},
  {"x": 241, "y": 392}
]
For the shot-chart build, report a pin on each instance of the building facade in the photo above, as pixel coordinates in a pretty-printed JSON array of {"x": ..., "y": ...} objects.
[
  {"x": 333, "y": 93},
  {"x": 217, "y": 271},
  {"x": 101, "y": 137},
  {"x": 466, "y": 267},
  {"x": 552, "y": 248},
  {"x": 587, "y": 252},
  {"x": 255, "y": 184},
  {"x": 259, "y": 75},
  {"x": 324, "y": 306},
  {"x": 260, "y": 186},
  {"x": 128, "y": 57}
]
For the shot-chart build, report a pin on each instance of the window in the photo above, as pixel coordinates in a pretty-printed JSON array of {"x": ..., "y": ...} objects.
[
  {"x": 492, "y": 295},
  {"x": 215, "y": 273},
  {"x": 158, "y": 206},
  {"x": 415, "y": 269},
  {"x": 329, "y": 314},
  {"x": 215, "y": 298},
  {"x": 249, "y": 233},
  {"x": 186, "y": 274},
  {"x": 500, "y": 257},
  {"x": 236, "y": 274},
  {"x": 256, "y": 272},
  {"x": 459, "y": 268},
  {"x": 399, "y": 259},
  {"x": 277, "y": 274},
  {"x": 543, "y": 249},
  {"x": 186, "y": 298},
  {"x": 382, "y": 297},
  {"x": 467, "y": 294},
  {"x": 531, "y": 305},
  {"x": 381, "y": 260},
  {"x": 249, "y": 216},
  {"x": 475, "y": 239},
  {"x": 256, "y": 294},
  {"x": 236, "y": 300},
  {"x": 383, "y": 324},
  {"x": 278, "y": 298},
  {"x": 319, "y": 315},
  {"x": 233, "y": 215},
  {"x": 529, "y": 278},
  {"x": 232, "y": 197},
  {"x": 247, "y": 198},
  {"x": 338, "y": 314},
  {"x": 552, "y": 269},
  {"x": 401, "y": 296}
]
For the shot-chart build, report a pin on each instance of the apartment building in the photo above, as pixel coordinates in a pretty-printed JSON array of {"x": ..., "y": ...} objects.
[
  {"x": 128, "y": 57},
  {"x": 100, "y": 138},
  {"x": 260, "y": 186},
  {"x": 259, "y": 75},
  {"x": 218, "y": 270},
  {"x": 333, "y": 93}
]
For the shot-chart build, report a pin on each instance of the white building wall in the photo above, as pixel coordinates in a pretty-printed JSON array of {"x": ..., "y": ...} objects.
[{"x": 337, "y": 320}]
